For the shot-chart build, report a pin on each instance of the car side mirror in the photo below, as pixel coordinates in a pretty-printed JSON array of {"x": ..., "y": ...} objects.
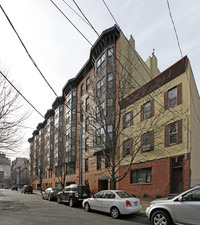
[{"x": 180, "y": 198}]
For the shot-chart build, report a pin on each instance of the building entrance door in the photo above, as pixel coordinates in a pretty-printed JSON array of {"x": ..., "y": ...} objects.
[
  {"x": 177, "y": 175},
  {"x": 177, "y": 180},
  {"x": 102, "y": 185}
]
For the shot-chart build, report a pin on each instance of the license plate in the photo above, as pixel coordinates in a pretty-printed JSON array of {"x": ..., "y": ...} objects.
[
  {"x": 84, "y": 194},
  {"x": 136, "y": 203}
]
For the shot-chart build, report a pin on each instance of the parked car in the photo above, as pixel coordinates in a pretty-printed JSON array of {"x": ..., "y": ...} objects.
[
  {"x": 183, "y": 209},
  {"x": 14, "y": 187},
  {"x": 115, "y": 202},
  {"x": 50, "y": 193},
  {"x": 73, "y": 194},
  {"x": 27, "y": 188}
]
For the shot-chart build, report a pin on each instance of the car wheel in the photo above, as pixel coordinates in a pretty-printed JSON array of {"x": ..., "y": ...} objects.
[
  {"x": 160, "y": 217},
  {"x": 58, "y": 200},
  {"x": 49, "y": 198},
  {"x": 71, "y": 202},
  {"x": 115, "y": 212},
  {"x": 87, "y": 207}
]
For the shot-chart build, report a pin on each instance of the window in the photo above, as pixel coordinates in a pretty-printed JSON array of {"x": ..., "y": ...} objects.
[
  {"x": 73, "y": 132},
  {"x": 87, "y": 83},
  {"x": 82, "y": 89},
  {"x": 73, "y": 114},
  {"x": 68, "y": 99},
  {"x": 141, "y": 176},
  {"x": 173, "y": 97},
  {"x": 61, "y": 110},
  {"x": 51, "y": 120},
  {"x": 100, "y": 110},
  {"x": 86, "y": 165},
  {"x": 100, "y": 86},
  {"x": 87, "y": 124},
  {"x": 110, "y": 132},
  {"x": 73, "y": 150},
  {"x": 109, "y": 194},
  {"x": 99, "y": 136},
  {"x": 70, "y": 168},
  {"x": 87, "y": 104},
  {"x": 109, "y": 102},
  {"x": 110, "y": 52},
  {"x": 73, "y": 96},
  {"x": 128, "y": 119},
  {"x": 173, "y": 133},
  {"x": 86, "y": 144},
  {"x": 101, "y": 63},
  {"x": 172, "y": 129},
  {"x": 147, "y": 110},
  {"x": 98, "y": 162},
  {"x": 147, "y": 141},
  {"x": 127, "y": 147},
  {"x": 110, "y": 80},
  {"x": 99, "y": 195},
  {"x": 193, "y": 195}
]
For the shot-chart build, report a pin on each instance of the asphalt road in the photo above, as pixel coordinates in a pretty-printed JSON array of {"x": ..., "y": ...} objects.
[{"x": 29, "y": 209}]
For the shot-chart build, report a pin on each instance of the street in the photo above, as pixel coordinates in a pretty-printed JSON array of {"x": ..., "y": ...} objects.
[{"x": 22, "y": 209}]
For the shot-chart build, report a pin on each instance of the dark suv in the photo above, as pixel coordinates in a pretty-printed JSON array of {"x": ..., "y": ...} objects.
[
  {"x": 27, "y": 188},
  {"x": 73, "y": 194}
]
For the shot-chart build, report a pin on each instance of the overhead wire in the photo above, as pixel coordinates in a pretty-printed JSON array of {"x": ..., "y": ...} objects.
[
  {"x": 170, "y": 13},
  {"x": 25, "y": 48},
  {"x": 70, "y": 22}
]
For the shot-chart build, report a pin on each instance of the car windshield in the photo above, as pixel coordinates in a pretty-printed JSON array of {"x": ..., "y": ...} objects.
[
  {"x": 123, "y": 194},
  {"x": 81, "y": 189},
  {"x": 56, "y": 189}
]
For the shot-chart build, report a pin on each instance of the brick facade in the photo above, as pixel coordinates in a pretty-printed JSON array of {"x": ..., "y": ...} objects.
[{"x": 161, "y": 183}]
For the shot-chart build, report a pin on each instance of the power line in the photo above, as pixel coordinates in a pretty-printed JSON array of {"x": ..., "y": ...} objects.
[
  {"x": 110, "y": 13},
  {"x": 71, "y": 22},
  {"x": 89, "y": 23},
  {"x": 174, "y": 28},
  {"x": 75, "y": 12},
  {"x": 31, "y": 58},
  {"x": 21, "y": 94}
]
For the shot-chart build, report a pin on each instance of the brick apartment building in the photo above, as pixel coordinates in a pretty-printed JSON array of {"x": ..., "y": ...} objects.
[{"x": 76, "y": 141}]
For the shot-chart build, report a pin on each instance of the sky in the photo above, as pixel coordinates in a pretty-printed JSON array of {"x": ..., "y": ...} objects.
[{"x": 60, "y": 51}]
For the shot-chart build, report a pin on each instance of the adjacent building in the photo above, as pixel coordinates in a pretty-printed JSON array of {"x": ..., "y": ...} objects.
[{"x": 164, "y": 131}]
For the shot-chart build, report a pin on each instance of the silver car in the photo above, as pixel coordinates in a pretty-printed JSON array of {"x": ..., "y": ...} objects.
[
  {"x": 115, "y": 202},
  {"x": 183, "y": 209}
]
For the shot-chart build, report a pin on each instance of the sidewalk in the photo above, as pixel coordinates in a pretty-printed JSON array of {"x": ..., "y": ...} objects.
[{"x": 144, "y": 202}]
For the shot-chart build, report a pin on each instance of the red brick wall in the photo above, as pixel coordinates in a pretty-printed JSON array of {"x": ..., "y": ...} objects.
[{"x": 161, "y": 178}]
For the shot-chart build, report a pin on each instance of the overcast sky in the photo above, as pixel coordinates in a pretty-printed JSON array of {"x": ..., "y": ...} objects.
[{"x": 60, "y": 51}]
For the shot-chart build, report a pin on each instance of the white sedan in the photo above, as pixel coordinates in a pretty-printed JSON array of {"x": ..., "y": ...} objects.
[{"x": 115, "y": 202}]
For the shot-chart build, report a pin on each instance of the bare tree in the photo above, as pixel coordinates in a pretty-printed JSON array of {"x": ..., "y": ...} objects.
[{"x": 11, "y": 117}]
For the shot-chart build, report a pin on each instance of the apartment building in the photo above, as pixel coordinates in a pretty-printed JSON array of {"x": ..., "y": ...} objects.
[
  {"x": 84, "y": 134},
  {"x": 160, "y": 139}
]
